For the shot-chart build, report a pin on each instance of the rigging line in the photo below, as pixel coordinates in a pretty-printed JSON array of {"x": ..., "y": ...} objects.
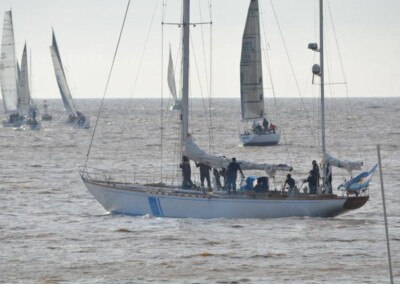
[
  {"x": 200, "y": 85},
  {"x": 212, "y": 149},
  {"x": 269, "y": 67},
  {"x": 108, "y": 81},
  {"x": 162, "y": 91},
  {"x": 292, "y": 69},
  {"x": 144, "y": 49},
  {"x": 341, "y": 61},
  {"x": 332, "y": 90},
  {"x": 210, "y": 134}
]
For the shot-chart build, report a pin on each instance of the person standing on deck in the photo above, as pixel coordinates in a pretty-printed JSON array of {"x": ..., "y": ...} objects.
[
  {"x": 204, "y": 174},
  {"x": 265, "y": 125},
  {"x": 312, "y": 183},
  {"x": 186, "y": 173},
  {"x": 315, "y": 171},
  {"x": 291, "y": 183},
  {"x": 217, "y": 178},
  {"x": 231, "y": 173}
]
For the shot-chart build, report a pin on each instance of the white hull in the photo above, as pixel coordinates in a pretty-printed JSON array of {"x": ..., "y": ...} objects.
[
  {"x": 84, "y": 124},
  {"x": 133, "y": 199},
  {"x": 17, "y": 123},
  {"x": 263, "y": 139}
]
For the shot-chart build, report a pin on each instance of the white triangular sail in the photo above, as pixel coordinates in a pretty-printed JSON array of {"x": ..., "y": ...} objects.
[
  {"x": 62, "y": 80},
  {"x": 24, "y": 96},
  {"x": 8, "y": 67},
  {"x": 171, "y": 77},
  {"x": 193, "y": 152},
  {"x": 171, "y": 83},
  {"x": 251, "y": 79}
]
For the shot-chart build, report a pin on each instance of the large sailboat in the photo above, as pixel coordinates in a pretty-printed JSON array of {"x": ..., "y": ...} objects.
[
  {"x": 261, "y": 133},
  {"x": 8, "y": 75},
  {"x": 75, "y": 117},
  {"x": 251, "y": 201}
]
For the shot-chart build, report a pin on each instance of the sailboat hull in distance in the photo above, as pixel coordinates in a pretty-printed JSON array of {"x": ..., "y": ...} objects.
[
  {"x": 263, "y": 139},
  {"x": 133, "y": 199}
]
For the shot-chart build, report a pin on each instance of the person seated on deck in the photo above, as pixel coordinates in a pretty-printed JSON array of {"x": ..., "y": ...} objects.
[
  {"x": 272, "y": 128},
  {"x": 257, "y": 128},
  {"x": 262, "y": 185}
]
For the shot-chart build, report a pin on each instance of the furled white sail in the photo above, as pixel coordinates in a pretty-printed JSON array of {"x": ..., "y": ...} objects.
[
  {"x": 347, "y": 165},
  {"x": 8, "y": 67},
  {"x": 251, "y": 81},
  {"x": 62, "y": 80},
  {"x": 24, "y": 96},
  {"x": 193, "y": 152}
]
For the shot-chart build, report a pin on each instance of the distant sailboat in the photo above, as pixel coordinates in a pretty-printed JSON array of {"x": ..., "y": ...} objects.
[
  {"x": 186, "y": 201},
  {"x": 171, "y": 84},
  {"x": 26, "y": 105},
  {"x": 8, "y": 75},
  {"x": 75, "y": 117},
  {"x": 251, "y": 85}
]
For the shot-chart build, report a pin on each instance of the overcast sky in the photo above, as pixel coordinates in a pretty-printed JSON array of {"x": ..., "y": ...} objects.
[{"x": 367, "y": 31}]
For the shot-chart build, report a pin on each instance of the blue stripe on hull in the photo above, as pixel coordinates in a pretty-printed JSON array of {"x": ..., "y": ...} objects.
[{"x": 155, "y": 207}]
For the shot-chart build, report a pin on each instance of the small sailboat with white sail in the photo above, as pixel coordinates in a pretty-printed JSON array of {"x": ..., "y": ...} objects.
[
  {"x": 261, "y": 133},
  {"x": 75, "y": 117},
  {"x": 251, "y": 201},
  {"x": 27, "y": 107},
  {"x": 8, "y": 75}
]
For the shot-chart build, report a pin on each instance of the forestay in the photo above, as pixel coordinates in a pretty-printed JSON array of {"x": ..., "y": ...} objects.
[
  {"x": 251, "y": 81},
  {"x": 8, "y": 68}
]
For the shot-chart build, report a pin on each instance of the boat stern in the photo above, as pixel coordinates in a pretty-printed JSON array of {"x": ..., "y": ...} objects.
[{"x": 355, "y": 202}]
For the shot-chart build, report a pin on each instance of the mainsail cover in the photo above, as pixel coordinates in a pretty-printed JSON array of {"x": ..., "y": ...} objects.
[
  {"x": 343, "y": 164},
  {"x": 62, "y": 79},
  {"x": 193, "y": 152},
  {"x": 8, "y": 67},
  {"x": 251, "y": 82},
  {"x": 24, "y": 96}
]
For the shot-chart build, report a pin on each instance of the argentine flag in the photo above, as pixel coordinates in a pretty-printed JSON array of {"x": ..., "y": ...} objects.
[{"x": 359, "y": 182}]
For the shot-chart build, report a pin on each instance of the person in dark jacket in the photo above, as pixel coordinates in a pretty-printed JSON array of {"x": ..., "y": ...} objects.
[
  {"x": 265, "y": 124},
  {"x": 290, "y": 182},
  {"x": 231, "y": 174},
  {"x": 315, "y": 171},
  {"x": 312, "y": 182},
  {"x": 204, "y": 174},
  {"x": 217, "y": 178},
  {"x": 186, "y": 173}
]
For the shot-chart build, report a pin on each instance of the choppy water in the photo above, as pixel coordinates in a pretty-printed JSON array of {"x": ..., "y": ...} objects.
[{"x": 53, "y": 231}]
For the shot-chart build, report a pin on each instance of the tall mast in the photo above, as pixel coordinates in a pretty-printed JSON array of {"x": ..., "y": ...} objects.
[
  {"x": 318, "y": 70},
  {"x": 185, "y": 70},
  {"x": 321, "y": 58}
]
